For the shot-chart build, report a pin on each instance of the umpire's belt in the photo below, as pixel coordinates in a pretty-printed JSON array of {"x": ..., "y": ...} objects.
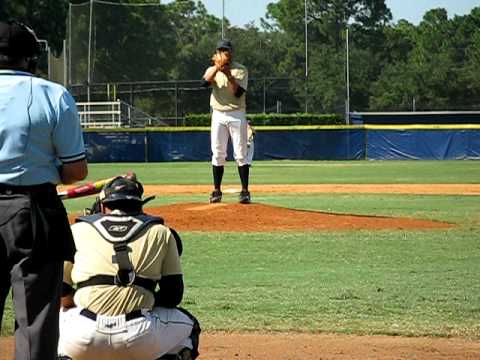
[
  {"x": 40, "y": 189},
  {"x": 135, "y": 314}
]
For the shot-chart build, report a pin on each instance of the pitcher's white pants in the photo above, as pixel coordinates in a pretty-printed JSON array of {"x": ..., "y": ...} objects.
[
  {"x": 227, "y": 124},
  {"x": 158, "y": 332}
]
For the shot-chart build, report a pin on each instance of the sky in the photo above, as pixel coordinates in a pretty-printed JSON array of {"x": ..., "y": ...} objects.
[{"x": 241, "y": 12}]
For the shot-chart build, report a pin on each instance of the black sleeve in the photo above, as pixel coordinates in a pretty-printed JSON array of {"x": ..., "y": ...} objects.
[
  {"x": 170, "y": 293},
  {"x": 205, "y": 83},
  {"x": 240, "y": 91},
  {"x": 178, "y": 240},
  {"x": 67, "y": 289}
]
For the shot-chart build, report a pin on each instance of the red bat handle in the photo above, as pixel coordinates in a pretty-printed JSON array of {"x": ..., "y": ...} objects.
[
  {"x": 87, "y": 189},
  {"x": 90, "y": 188}
]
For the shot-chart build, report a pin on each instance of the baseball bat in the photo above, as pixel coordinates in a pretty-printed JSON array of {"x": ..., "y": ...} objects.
[{"x": 90, "y": 188}]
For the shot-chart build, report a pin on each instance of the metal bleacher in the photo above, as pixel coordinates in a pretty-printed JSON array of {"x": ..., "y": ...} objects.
[{"x": 113, "y": 114}]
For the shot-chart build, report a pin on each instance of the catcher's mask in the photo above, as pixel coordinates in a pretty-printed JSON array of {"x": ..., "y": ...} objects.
[{"x": 123, "y": 189}]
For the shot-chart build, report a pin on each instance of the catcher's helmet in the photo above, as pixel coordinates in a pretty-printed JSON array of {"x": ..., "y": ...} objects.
[
  {"x": 18, "y": 40},
  {"x": 123, "y": 189}
]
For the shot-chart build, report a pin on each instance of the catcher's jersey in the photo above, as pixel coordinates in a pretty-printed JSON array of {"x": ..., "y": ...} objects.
[
  {"x": 222, "y": 99},
  {"x": 154, "y": 253}
]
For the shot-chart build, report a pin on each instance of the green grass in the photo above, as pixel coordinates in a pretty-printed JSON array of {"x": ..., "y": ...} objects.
[
  {"x": 405, "y": 283},
  {"x": 302, "y": 172},
  {"x": 435, "y": 207},
  {"x": 408, "y": 283}
]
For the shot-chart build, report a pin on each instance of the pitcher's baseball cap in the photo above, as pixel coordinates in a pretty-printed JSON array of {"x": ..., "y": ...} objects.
[
  {"x": 225, "y": 44},
  {"x": 17, "y": 39}
]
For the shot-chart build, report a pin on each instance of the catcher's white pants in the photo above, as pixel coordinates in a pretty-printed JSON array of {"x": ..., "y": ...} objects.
[
  {"x": 158, "y": 332},
  {"x": 227, "y": 124}
]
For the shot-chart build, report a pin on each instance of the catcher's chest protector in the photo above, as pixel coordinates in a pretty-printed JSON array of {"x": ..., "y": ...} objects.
[{"x": 119, "y": 230}]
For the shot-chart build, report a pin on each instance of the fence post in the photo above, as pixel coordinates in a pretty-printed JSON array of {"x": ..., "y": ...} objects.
[
  {"x": 176, "y": 103},
  {"x": 264, "y": 95},
  {"x": 65, "y": 64},
  {"x": 131, "y": 94},
  {"x": 146, "y": 146}
]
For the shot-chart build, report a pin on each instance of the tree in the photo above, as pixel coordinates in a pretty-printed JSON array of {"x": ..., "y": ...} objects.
[
  {"x": 428, "y": 74},
  {"x": 327, "y": 22},
  {"x": 35, "y": 15},
  {"x": 466, "y": 44}
]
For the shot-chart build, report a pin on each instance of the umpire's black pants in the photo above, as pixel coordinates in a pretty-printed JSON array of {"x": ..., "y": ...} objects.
[{"x": 31, "y": 264}]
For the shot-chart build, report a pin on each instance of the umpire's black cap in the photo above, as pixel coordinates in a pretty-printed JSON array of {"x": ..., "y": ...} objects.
[
  {"x": 225, "y": 44},
  {"x": 123, "y": 189},
  {"x": 18, "y": 40}
]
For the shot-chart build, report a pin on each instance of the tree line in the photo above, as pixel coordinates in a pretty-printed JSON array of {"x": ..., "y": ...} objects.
[{"x": 392, "y": 66}]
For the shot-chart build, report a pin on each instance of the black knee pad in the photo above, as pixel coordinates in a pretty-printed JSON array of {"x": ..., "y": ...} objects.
[
  {"x": 169, "y": 357},
  {"x": 195, "y": 334}
]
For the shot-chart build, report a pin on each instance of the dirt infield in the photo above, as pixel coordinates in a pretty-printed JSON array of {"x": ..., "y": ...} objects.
[
  {"x": 419, "y": 189},
  {"x": 257, "y": 346},
  {"x": 261, "y": 217}
]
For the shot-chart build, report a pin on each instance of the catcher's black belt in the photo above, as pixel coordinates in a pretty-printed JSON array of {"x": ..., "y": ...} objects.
[
  {"x": 135, "y": 314},
  {"x": 148, "y": 284}
]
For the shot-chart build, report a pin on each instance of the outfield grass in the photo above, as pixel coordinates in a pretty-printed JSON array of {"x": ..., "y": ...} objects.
[
  {"x": 364, "y": 282},
  {"x": 302, "y": 172},
  {"x": 403, "y": 283}
]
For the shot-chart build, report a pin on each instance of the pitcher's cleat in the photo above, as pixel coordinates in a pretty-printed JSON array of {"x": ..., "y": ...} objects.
[
  {"x": 215, "y": 196},
  {"x": 244, "y": 197}
]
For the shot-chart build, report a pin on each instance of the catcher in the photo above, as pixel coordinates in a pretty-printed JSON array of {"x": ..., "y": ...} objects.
[
  {"x": 229, "y": 81},
  {"x": 120, "y": 296}
]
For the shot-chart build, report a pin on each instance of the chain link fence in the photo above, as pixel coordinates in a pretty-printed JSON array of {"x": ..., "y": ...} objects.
[
  {"x": 117, "y": 51},
  {"x": 170, "y": 101}
]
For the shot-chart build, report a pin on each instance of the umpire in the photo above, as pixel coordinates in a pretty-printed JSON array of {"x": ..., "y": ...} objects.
[{"x": 41, "y": 145}]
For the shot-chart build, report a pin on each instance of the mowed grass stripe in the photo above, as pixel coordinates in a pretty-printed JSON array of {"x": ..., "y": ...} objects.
[{"x": 364, "y": 282}]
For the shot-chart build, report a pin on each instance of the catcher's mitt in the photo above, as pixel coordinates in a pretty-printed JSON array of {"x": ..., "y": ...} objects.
[{"x": 221, "y": 59}]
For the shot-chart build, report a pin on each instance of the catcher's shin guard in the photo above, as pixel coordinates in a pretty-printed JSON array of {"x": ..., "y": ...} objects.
[
  {"x": 169, "y": 357},
  {"x": 194, "y": 336},
  {"x": 184, "y": 354}
]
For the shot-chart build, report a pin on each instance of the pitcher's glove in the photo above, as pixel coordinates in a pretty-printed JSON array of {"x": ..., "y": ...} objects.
[
  {"x": 250, "y": 134},
  {"x": 221, "y": 59}
]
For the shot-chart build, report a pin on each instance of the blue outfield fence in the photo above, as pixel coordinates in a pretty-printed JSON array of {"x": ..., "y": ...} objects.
[
  {"x": 416, "y": 117},
  {"x": 423, "y": 144},
  {"x": 372, "y": 142}
]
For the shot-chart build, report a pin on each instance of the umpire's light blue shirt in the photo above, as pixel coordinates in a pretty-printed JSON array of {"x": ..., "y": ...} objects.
[{"x": 39, "y": 129}]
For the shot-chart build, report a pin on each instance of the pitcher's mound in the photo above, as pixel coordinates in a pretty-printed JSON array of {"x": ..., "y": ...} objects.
[{"x": 260, "y": 217}]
